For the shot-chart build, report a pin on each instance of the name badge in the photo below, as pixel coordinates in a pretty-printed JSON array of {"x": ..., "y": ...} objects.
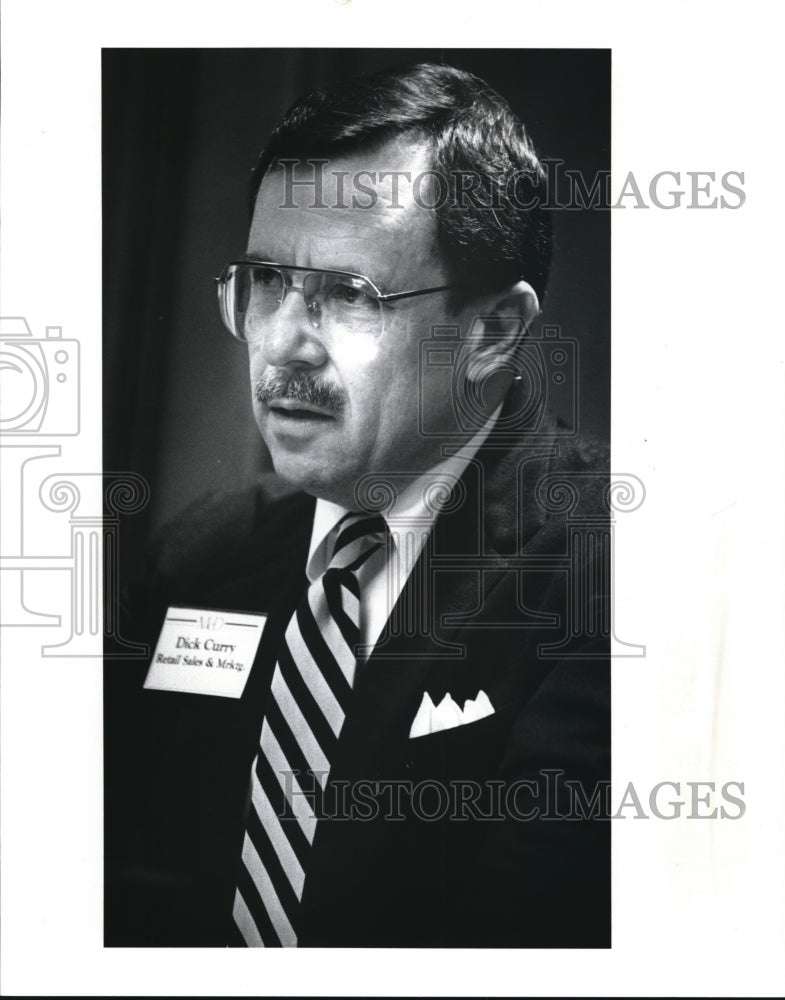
[{"x": 200, "y": 651}]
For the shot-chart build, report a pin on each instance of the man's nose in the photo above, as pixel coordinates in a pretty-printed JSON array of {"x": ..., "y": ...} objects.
[{"x": 290, "y": 338}]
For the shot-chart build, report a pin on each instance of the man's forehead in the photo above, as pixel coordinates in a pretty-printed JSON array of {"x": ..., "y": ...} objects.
[
  {"x": 398, "y": 171},
  {"x": 354, "y": 207}
]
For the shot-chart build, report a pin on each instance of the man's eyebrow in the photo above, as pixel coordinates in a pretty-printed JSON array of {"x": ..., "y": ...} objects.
[
  {"x": 257, "y": 258},
  {"x": 350, "y": 268}
]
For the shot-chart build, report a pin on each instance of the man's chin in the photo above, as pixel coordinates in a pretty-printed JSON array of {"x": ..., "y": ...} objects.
[{"x": 313, "y": 474}]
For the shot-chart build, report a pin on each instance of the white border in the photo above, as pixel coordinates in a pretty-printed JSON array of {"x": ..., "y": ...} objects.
[{"x": 697, "y": 413}]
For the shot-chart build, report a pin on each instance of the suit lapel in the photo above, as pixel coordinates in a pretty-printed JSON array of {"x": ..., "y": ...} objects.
[{"x": 432, "y": 649}]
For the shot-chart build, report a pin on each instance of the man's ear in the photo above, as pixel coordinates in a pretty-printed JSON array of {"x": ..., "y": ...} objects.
[{"x": 496, "y": 335}]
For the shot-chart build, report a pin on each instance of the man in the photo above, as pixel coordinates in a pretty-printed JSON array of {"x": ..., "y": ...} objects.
[{"x": 419, "y": 752}]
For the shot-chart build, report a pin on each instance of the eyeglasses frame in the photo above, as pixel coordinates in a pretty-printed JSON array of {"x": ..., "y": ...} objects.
[{"x": 382, "y": 297}]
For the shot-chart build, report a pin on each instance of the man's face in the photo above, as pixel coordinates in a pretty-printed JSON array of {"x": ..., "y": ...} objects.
[{"x": 368, "y": 421}]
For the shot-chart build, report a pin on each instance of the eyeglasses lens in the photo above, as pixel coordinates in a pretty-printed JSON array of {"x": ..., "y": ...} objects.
[{"x": 337, "y": 303}]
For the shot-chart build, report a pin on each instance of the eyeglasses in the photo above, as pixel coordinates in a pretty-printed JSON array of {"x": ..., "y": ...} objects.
[{"x": 337, "y": 302}]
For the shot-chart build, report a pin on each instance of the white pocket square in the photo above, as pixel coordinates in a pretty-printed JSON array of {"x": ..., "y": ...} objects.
[{"x": 432, "y": 718}]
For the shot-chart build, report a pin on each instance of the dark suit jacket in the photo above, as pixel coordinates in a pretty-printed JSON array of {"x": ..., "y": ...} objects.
[{"x": 510, "y": 597}]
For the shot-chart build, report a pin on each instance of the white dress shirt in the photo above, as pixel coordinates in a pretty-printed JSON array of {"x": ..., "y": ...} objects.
[{"x": 410, "y": 519}]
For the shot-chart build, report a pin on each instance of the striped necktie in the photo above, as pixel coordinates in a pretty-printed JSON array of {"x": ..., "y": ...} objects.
[{"x": 309, "y": 699}]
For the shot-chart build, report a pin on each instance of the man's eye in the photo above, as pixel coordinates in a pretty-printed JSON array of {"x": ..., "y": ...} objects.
[
  {"x": 267, "y": 277},
  {"x": 348, "y": 295}
]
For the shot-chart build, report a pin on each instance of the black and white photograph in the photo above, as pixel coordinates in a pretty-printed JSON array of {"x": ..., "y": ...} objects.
[
  {"x": 391, "y": 407},
  {"x": 418, "y": 736}
]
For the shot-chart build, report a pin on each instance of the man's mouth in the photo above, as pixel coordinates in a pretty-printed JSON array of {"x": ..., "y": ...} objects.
[
  {"x": 291, "y": 397},
  {"x": 293, "y": 409}
]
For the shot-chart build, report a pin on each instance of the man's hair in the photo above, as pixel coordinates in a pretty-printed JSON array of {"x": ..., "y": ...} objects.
[{"x": 469, "y": 129}]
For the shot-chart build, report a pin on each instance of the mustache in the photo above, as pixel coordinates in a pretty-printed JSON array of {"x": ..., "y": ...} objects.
[{"x": 301, "y": 387}]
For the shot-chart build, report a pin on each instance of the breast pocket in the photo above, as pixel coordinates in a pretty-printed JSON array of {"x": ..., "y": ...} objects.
[{"x": 469, "y": 752}]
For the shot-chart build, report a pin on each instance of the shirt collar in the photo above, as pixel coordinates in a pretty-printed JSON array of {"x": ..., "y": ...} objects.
[{"x": 418, "y": 503}]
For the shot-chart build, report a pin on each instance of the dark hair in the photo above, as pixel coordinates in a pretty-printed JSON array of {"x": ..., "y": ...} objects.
[{"x": 470, "y": 129}]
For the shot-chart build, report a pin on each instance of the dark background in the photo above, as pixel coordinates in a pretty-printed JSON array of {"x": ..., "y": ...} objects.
[{"x": 182, "y": 130}]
